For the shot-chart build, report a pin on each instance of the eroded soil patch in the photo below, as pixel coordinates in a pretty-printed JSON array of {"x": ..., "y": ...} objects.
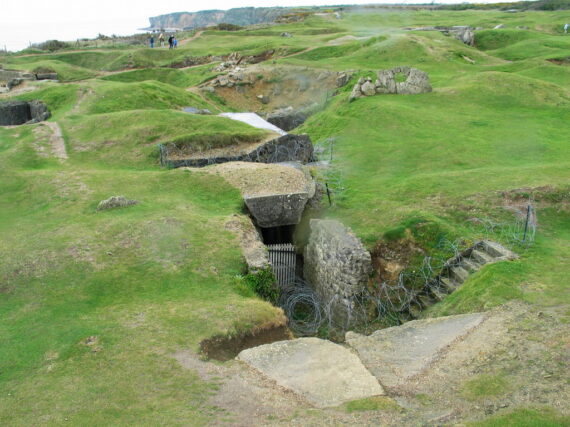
[{"x": 223, "y": 347}]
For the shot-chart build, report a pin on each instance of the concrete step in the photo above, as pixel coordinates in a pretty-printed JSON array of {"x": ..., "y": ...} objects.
[
  {"x": 448, "y": 283},
  {"x": 438, "y": 292},
  {"x": 426, "y": 301},
  {"x": 469, "y": 265},
  {"x": 415, "y": 310},
  {"x": 459, "y": 274},
  {"x": 481, "y": 257},
  {"x": 497, "y": 251},
  {"x": 397, "y": 355}
]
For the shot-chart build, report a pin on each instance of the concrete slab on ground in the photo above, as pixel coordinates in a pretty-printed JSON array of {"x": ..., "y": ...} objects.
[
  {"x": 395, "y": 355},
  {"x": 324, "y": 373}
]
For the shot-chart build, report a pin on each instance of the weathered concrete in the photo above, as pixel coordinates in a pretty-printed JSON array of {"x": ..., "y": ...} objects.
[
  {"x": 278, "y": 209},
  {"x": 282, "y": 149},
  {"x": 397, "y": 354},
  {"x": 288, "y": 118},
  {"x": 338, "y": 266},
  {"x": 20, "y": 112},
  {"x": 14, "y": 113},
  {"x": 324, "y": 373}
]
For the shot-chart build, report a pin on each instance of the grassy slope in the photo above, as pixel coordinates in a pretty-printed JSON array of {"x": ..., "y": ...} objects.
[
  {"x": 486, "y": 127},
  {"x": 145, "y": 281},
  {"x": 157, "y": 277},
  {"x": 130, "y": 138}
]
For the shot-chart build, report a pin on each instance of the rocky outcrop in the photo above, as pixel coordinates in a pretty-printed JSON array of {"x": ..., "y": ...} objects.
[
  {"x": 21, "y": 112},
  {"x": 324, "y": 373},
  {"x": 338, "y": 267},
  {"x": 398, "y": 80},
  {"x": 343, "y": 78},
  {"x": 239, "y": 16},
  {"x": 115, "y": 202},
  {"x": 463, "y": 33},
  {"x": 283, "y": 149},
  {"x": 277, "y": 209}
]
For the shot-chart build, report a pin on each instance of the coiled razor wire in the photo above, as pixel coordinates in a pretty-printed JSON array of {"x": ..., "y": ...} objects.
[{"x": 302, "y": 307}]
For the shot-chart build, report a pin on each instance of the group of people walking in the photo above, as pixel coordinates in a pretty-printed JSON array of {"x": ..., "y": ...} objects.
[{"x": 172, "y": 41}]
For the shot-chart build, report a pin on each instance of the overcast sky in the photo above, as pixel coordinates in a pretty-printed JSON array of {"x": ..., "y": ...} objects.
[{"x": 40, "y": 20}]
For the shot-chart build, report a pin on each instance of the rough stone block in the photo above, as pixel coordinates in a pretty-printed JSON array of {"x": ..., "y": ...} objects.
[{"x": 338, "y": 267}]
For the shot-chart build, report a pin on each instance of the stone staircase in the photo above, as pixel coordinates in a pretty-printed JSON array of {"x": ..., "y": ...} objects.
[{"x": 456, "y": 271}]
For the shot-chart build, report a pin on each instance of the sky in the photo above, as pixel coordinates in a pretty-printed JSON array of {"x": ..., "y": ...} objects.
[{"x": 39, "y": 20}]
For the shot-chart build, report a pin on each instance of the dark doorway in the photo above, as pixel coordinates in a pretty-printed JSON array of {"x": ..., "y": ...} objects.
[{"x": 278, "y": 235}]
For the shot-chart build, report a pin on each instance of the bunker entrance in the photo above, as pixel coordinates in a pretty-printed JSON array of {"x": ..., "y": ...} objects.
[{"x": 278, "y": 235}]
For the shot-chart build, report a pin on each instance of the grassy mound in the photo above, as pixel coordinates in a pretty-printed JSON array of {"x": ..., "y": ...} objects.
[
  {"x": 169, "y": 76},
  {"x": 60, "y": 99},
  {"x": 110, "y": 97},
  {"x": 496, "y": 39},
  {"x": 129, "y": 138}
]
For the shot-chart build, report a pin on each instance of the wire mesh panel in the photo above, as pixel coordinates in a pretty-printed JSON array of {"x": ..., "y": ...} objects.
[{"x": 283, "y": 260}]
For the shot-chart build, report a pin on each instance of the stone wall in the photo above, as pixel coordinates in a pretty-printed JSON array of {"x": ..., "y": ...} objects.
[
  {"x": 338, "y": 267},
  {"x": 398, "y": 80}
]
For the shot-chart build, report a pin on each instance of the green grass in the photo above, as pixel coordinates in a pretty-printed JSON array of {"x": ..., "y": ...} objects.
[
  {"x": 496, "y": 39},
  {"x": 525, "y": 417},
  {"x": 130, "y": 138},
  {"x": 484, "y": 386},
  {"x": 58, "y": 98},
  {"x": 170, "y": 76},
  {"x": 111, "y": 97},
  {"x": 65, "y": 72},
  {"x": 379, "y": 403},
  {"x": 94, "y": 304},
  {"x": 144, "y": 280}
]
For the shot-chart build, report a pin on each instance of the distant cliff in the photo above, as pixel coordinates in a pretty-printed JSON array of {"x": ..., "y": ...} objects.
[{"x": 240, "y": 16}]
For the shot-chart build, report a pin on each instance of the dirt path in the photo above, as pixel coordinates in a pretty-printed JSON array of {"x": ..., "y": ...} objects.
[
  {"x": 82, "y": 96},
  {"x": 191, "y": 39},
  {"x": 56, "y": 141},
  {"x": 196, "y": 91}
]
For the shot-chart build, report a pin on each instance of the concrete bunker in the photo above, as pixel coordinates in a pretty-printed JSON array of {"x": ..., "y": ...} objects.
[{"x": 13, "y": 113}]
